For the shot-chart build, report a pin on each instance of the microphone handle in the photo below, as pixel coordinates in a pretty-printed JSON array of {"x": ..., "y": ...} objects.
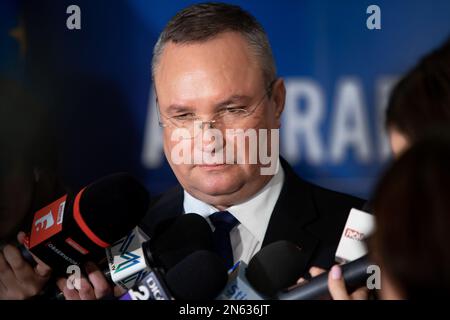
[{"x": 354, "y": 273}]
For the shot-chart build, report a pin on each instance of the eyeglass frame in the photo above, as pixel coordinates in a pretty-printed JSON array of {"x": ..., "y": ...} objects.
[{"x": 268, "y": 93}]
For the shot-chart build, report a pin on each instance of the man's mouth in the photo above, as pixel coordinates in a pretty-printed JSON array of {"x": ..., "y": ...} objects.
[{"x": 212, "y": 166}]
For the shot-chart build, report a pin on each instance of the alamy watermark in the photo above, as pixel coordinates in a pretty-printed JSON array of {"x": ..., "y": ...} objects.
[
  {"x": 374, "y": 280},
  {"x": 373, "y": 22},
  {"x": 74, "y": 277},
  {"x": 73, "y": 21},
  {"x": 238, "y": 146}
]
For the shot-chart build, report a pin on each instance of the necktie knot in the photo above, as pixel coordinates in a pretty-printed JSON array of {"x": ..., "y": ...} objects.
[{"x": 223, "y": 220}]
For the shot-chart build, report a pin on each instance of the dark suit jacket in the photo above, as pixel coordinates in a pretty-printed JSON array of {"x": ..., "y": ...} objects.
[{"x": 305, "y": 214}]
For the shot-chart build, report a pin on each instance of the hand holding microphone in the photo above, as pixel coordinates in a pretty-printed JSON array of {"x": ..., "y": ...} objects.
[
  {"x": 350, "y": 276},
  {"x": 73, "y": 230},
  {"x": 132, "y": 264},
  {"x": 93, "y": 285},
  {"x": 77, "y": 228},
  {"x": 19, "y": 279},
  {"x": 337, "y": 286},
  {"x": 278, "y": 265}
]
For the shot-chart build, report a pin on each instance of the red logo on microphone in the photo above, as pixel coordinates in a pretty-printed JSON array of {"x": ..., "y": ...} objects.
[
  {"x": 47, "y": 222},
  {"x": 353, "y": 234}
]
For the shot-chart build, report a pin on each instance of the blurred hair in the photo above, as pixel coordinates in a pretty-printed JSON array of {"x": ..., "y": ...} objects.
[
  {"x": 25, "y": 128},
  {"x": 421, "y": 99},
  {"x": 201, "y": 22},
  {"x": 28, "y": 157},
  {"x": 412, "y": 208}
]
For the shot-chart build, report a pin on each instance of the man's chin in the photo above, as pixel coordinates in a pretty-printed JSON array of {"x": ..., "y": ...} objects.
[{"x": 216, "y": 186}]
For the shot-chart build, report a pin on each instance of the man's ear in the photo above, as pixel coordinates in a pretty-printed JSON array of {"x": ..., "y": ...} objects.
[{"x": 279, "y": 98}]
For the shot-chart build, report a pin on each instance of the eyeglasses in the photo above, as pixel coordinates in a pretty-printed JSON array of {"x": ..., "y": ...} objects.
[{"x": 228, "y": 117}]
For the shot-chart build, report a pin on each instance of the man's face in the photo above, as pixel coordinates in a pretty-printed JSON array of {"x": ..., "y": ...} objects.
[{"x": 198, "y": 78}]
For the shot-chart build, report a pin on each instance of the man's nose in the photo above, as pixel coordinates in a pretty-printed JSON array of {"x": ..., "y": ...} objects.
[{"x": 210, "y": 139}]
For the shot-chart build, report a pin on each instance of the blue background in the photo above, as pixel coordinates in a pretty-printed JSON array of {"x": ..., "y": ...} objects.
[{"x": 96, "y": 81}]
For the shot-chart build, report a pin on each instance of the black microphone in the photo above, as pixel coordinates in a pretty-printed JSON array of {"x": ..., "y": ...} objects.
[
  {"x": 78, "y": 227},
  {"x": 177, "y": 239},
  {"x": 275, "y": 267},
  {"x": 200, "y": 276},
  {"x": 354, "y": 273},
  {"x": 130, "y": 259}
]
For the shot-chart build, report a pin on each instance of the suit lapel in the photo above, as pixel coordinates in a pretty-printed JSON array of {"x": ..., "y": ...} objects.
[{"x": 293, "y": 211}]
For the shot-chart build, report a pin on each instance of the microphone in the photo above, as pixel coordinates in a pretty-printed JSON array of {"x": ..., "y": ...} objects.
[
  {"x": 278, "y": 266},
  {"x": 273, "y": 268},
  {"x": 238, "y": 286},
  {"x": 78, "y": 227},
  {"x": 126, "y": 261},
  {"x": 131, "y": 258},
  {"x": 135, "y": 258},
  {"x": 358, "y": 227},
  {"x": 176, "y": 239},
  {"x": 351, "y": 247},
  {"x": 354, "y": 274},
  {"x": 199, "y": 276}
]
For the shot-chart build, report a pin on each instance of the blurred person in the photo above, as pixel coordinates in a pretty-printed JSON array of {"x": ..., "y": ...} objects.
[
  {"x": 28, "y": 182},
  {"x": 412, "y": 210},
  {"x": 420, "y": 100},
  {"x": 419, "y": 103}
]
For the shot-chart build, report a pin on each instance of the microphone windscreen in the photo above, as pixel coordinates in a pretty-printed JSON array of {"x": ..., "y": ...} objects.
[
  {"x": 186, "y": 234},
  {"x": 113, "y": 205},
  {"x": 276, "y": 267},
  {"x": 200, "y": 276}
]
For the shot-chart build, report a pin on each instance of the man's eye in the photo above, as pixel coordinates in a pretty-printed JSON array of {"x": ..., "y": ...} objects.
[
  {"x": 184, "y": 116},
  {"x": 235, "y": 110}
]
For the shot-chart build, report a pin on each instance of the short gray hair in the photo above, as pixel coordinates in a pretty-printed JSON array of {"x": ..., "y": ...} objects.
[{"x": 204, "y": 21}]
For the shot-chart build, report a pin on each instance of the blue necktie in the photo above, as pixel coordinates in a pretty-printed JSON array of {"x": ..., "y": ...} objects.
[{"x": 223, "y": 222}]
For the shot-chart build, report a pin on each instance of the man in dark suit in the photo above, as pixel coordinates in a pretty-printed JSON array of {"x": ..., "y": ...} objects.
[
  {"x": 213, "y": 67},
  {"x": 305, "y": 214},
  {"x": 215, "y": 83}
]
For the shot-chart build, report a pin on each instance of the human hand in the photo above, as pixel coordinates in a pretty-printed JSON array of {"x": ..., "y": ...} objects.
[
  {"x": 18, "y": 279},
  {"x": 336, "y": 284},
  {"x": 93, "y": 287}
]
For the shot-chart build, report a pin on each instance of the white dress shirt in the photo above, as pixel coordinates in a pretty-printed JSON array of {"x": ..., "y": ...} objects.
[{"x": 253, "y": 215}]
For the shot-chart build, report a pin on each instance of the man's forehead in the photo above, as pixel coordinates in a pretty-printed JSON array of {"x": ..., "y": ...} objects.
[
  {"x": 207, "y": 72},
  {"x": 224, "y": 58},
  {"x": 224, "y": 39}
]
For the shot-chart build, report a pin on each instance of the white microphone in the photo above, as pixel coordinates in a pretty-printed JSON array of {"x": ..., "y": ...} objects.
[
  {"x": 276, "y": 266},
  {"x": 358, "y": 227},
  {"x": 127, "y": 265},
  {"x": 238, "y": 287}
]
